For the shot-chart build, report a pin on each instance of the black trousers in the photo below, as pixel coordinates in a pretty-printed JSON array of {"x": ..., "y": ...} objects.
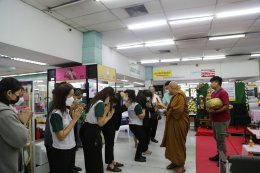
[
  {"x": 109, "y": 135},
  {"x": 61, "y": 160},
  {"x": 49, "y": 152},
  {"x": 154, "y": 127},
  {"x": 139, "y": 133},
  {"x": 147, "y": 129},
  {"x": 92, "y": 146}
]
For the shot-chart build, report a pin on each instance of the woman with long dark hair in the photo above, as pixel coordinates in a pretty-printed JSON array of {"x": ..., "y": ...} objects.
[
  {"x": 136, "y": 116},
  {"x": 61, "y": 127},
  {"x": 99, "y": 112},
  {"x": 109, "y": 131},
  {"x": 13, "y": 132}
]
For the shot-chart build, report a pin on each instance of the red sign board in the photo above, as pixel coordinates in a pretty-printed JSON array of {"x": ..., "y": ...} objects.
[
  {"x": 71, "y": 73},
  {"x": 208, "y": 73}
]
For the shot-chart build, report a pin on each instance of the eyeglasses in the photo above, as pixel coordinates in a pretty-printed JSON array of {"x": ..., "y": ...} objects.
[{"x": 17, "y": 93}]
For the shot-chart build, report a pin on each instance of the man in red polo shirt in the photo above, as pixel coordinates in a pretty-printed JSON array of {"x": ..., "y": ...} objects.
[{"x": 220, "y": 121}]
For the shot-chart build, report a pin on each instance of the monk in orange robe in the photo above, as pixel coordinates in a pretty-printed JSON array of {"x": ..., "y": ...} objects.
[{"x": 176, "y": 129}]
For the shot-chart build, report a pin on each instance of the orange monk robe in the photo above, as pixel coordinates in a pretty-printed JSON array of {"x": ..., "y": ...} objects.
[{"x": 176, "y": 129}]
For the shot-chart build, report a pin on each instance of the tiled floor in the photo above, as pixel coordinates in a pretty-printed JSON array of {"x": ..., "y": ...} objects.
[{"x": 156, "y": 163}]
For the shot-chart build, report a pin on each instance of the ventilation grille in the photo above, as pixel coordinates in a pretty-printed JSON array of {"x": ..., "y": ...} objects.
[{"x": 138, "y": 10}]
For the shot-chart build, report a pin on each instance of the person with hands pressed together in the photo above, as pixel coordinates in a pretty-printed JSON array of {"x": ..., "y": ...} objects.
[
  {"x": 99, "y": 112},
  {"x": 62, "y": 121},
  {"x": 136, "y": 116},
  {"x": 220, "y": 121},
  {"x": 13, "y": 132}
]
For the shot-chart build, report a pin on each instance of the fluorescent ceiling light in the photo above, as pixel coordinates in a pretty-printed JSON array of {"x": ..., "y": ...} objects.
[
  {"x": 191, "y": 59},
  {"x": 238, "y": 13},
  {"x": 191, "y": 20},
  {"x": 149, "y": 61},
  {"x": 25, "y": 74},
  {"x": 147, "y": 25},
  {"x": 159, "y": 43},
  {"x": 129, "y": 46},
  {"x": 66, "y": 4},
  {"x": 39, "y": 81},
  {"x": 227, "y": 37},
  {"x": 128, "y": 86},
  {"x": 214, "y": 57},
  {"x": 170, "y": 60},
  {"x": 225, "y": 82},
  {"x": 255, "y": 54},
  {"x": 28, "y": 61},
  {"x": 123, "y": 80},
  {"x": 138, "y": 83}
]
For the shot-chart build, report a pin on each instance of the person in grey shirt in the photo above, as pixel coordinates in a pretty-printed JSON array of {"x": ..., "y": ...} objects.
[{"x": 13, "y": 132}]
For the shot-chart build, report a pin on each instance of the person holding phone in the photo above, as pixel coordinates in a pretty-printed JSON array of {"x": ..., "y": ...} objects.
[
  {"x": 62, "y": 120},
  {"x": 99, "y": 112},
  {"x": 136, "y": 115},
  {"x": 13, "y": 131}
]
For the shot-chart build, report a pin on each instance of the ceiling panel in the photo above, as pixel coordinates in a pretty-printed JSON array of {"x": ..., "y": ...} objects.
[
  {"x": 36, "y": 4},
  {"x": 248, "y": 41},
  {"x": 145, "y": 18},
  {"x": 95, "y": 18},
  {"x": 244, "y": 49},
  {"x": 196, "y": 43},
  {"x": 107, "y": 26},
  {"x": 119, "y": 37},
  {"x": 170, "y": 5},
  {"x": 55, "y": 15},
  {"x": 190, "y": 30},
  {"x": 123, "y": 3},
  {"x": 221, "y": 44},
  {"x": 231, "y": 28},
  {"x": 246, "y": 4},
  {"x": 216, "y": 52},
  {"x": 138, "y": 52},
  {"x": 187, "y": 52},
  {"x": 189, "y": 13},
  {"x": 159, "y": 33},
  {"x": 228, "y": 1},
  {"x": 53, "y": 3},
  {"x": 72, "y": 23},
  {"x": 81, "y": 9},
  {"x": 82, "y": 29}
]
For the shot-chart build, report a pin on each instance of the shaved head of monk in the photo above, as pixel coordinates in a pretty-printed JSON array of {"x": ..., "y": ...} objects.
[{"x": 173, "y": 87}]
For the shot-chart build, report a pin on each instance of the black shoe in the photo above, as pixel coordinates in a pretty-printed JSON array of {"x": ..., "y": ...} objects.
[
  {"x": 119, "y": 164},
  {"x": 214, "y": 158},
  {"x": 76, "y": 168},
  {"x": 140, "y": 160},
  {"x": 115, "y": 169},
  {"x": 143, "y": 157},
  {"x": 74, "y": 171},
  {"x": 154, "y": 140}
]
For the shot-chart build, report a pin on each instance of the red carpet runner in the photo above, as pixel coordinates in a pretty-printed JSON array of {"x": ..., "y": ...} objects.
[{"x": 206, "y": 147}]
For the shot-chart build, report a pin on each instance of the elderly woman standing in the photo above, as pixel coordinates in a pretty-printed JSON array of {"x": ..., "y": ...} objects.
[
  {"x": 176, "y": 129},
  {"x": 13, "y": 132}
]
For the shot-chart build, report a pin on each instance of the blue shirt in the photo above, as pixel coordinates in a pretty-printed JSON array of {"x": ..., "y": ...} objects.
[{"x": 166, "y": 98}]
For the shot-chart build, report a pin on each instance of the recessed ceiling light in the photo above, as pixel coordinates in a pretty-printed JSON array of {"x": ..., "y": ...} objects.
[
  {"x": 255, "y": 54},
  {"x": 147, "y": 25},
  {"x": 170, "y": 60},
  {"x": 123, "y": 80},
  {"x": 138, "y": 83},
  {"x": 238, "y": 13},
  {"x": 159, "y": 43},
  {"x": 214, "y": 57},
  {"x": 227, "y": 37},
  {"x": 149, "y": 61},
  {"x": 191, "y": 59},
  {"x": 130, "y": 46},
  {"x": 191, "y": 20}
]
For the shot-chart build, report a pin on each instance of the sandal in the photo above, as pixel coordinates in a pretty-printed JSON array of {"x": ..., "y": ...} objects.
[
  {"x": 114, "y": 169},
  {"x": 171, "y": 166}
]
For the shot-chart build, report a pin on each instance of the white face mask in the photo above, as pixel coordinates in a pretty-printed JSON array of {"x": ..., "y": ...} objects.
[
  {"x": 107, "y": 100},
  {"x": 125, "y": 98},
  {"x": 69, "y": 101},
  {"x": 20, "y": 101}
]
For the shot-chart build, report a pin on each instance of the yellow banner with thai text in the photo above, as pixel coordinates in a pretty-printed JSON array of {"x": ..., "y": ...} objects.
[{"x": 162, "y": 73}]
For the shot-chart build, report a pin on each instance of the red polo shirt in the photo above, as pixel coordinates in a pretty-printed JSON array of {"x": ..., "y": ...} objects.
[{"x": 224, "y": 115}]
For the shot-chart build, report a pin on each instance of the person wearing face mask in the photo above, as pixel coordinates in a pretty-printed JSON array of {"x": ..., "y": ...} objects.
[
  {"x": 167, "y": 96},
  {"x": 136, "y": 116},
  {"x": 21, "y": 99},
  {"x": 62, "y": 120},
  {"x": 13, "y": 132},
  {"x": 99, "y": 112}
]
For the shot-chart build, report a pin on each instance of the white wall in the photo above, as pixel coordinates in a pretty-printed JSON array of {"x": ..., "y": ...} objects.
[
  {"x": 225, "y": 70},
  {"x": 121, "y": 63},
  {"x": 27, "y": 27}
]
